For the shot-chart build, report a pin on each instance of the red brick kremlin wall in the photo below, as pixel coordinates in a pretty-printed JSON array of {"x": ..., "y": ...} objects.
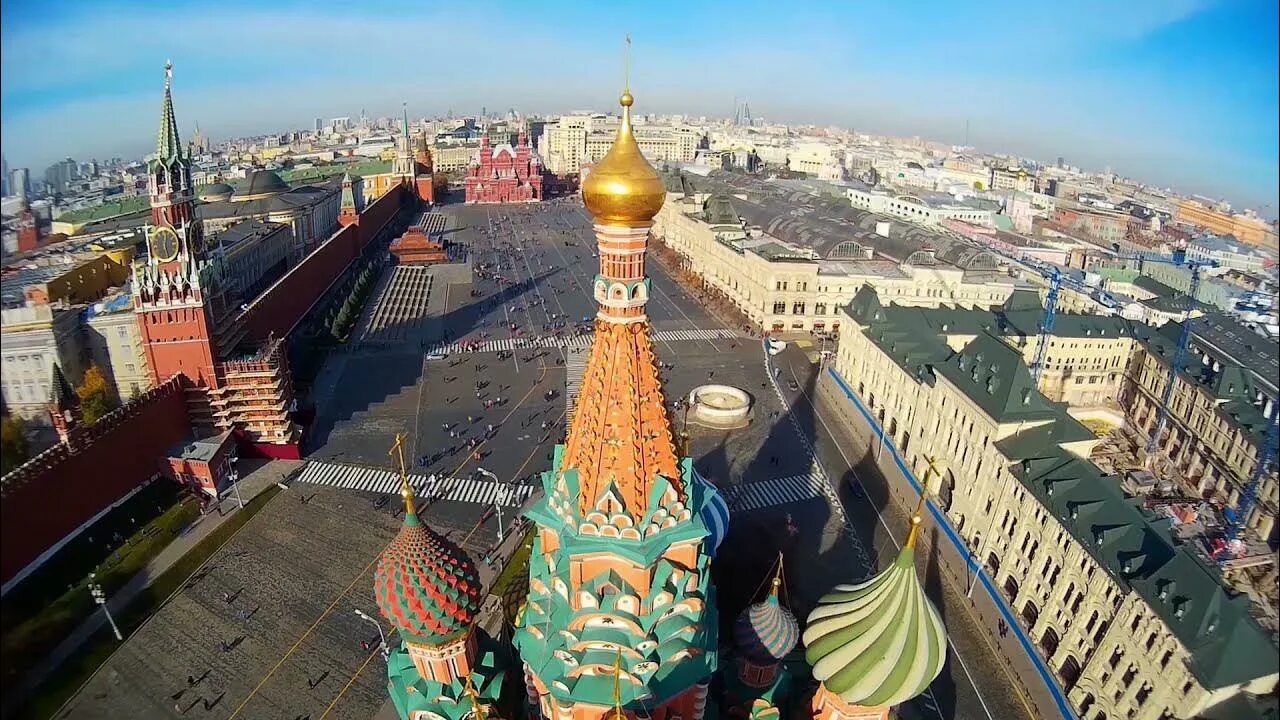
[
  {"x": 283, "y": 305},
  {"x": 62, "y": 488}
]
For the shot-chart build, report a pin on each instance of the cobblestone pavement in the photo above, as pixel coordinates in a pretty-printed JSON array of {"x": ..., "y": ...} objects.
[{"x": 282, "y": 595}]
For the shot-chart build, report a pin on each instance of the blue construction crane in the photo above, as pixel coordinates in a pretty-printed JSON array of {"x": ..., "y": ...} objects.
[
  {"x": 1057, "y": 279},
  {"x": 1179, "y": 257},
  {"x": 1046, "y": 323},
  {"x": 1239, "y": 515}
]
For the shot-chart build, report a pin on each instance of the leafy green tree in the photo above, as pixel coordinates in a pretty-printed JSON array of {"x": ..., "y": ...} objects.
[
  {"x": 977, "y": 185},
  {"x": 14, "y": 449},
  {"x": 97, "y": 396}
]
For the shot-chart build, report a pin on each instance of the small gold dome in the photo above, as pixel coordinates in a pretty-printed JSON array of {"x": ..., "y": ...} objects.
[{"x": 623, "y": 189}]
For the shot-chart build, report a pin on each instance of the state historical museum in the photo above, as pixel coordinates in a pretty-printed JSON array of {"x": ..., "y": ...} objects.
[{"x": 504, "y": 174}]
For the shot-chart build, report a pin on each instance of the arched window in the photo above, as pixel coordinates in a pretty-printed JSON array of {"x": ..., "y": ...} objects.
[
  {"x": 1069, "y": 671},
  {"x": 1011, "y": 587},
  {"x": 1049, "y": 642},
  {"x": 1030, "y": 613}
]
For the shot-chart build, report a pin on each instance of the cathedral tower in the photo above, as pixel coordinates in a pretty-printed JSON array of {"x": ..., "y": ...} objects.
[
  {"x": 621, "y": 609},
  {"x": 443, "y": 667}
]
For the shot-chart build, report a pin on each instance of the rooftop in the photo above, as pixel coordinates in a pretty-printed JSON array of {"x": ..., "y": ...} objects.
[
  {"x": 200, "y": 449},
  {"x": 1227, "y": 646},
  {"x": 823, "y": 223},
  {"x": 243, "y": 231}
]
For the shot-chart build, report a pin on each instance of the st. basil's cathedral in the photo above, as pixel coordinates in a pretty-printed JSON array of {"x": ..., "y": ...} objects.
[{"x": 620, "y": 621}]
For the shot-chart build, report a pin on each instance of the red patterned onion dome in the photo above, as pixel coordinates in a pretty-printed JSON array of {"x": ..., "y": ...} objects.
[
  {"x": 766, "y": 632},
  {"x": 425, "y": 585}
]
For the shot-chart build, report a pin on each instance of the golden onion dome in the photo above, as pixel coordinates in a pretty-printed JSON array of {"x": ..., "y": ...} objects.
[{"x": 623, "y": 189}]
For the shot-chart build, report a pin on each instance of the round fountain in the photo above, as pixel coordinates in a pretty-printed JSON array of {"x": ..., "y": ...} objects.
[{"x": 722, "y": 407}]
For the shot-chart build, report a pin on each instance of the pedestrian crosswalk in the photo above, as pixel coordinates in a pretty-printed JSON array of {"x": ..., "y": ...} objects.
[
  {"x": 379, "y": 480},
  {"x": 579, "y": 341},
  {"x": 575, "y": 365},
  {"x": 772, "y": 492}
]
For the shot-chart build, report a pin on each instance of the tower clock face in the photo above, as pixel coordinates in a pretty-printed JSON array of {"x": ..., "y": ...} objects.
[{"x": 164, "y": 244}]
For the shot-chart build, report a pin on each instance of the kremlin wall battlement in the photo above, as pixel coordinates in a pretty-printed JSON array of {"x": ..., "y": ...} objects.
[
  {"x": 68, "y": 484},
  {"x": 279, "y": 309}
]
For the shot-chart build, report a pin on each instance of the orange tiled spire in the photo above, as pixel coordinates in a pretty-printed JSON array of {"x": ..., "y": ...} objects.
[{"x": 621, "y": 437}]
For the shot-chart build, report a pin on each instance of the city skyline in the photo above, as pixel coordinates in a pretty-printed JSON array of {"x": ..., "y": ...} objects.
[{"x": 1099, "y": 86}]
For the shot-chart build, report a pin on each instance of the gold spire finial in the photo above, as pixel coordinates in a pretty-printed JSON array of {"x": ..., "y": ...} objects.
[
  {"x": 623, "y": 189},
  {"x": 777, "y": 579},
  {"x": 915, "y": 530},
  {"x": 917, "y": 516},
  {"x": 626, "y": 100},
  {"x": 617, "y": 686},
  {"x": 406, "y": 490},
  {"x": 476, "y": 708},
  {"x": 626, "y": 67}
]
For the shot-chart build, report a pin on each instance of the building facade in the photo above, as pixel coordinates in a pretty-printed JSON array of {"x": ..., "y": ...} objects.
[
  {"x": 36, "y": 338},
  {"x": 783, "y": 288},
  {"x": 924, "y": 208},
  {"x": 576, "y": 140},
  {"x": 504, "y": 174},
  {"x": 309, "y": 211},
  {"x": 113, "y": 342},
  {"x": 1131, "y": 624},
  {"x": 454, "y": 156},
  {"x": 1220, "y": 412},
  {"x": 1249, "y": 229},
  {"x": 254, "y": 254}
]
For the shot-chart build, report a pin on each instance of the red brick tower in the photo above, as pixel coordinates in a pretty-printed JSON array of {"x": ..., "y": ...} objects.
[
  {"x": 64, "y": 406},
  {"x": 425, "y": 170},
  {"x": 177, "y": 289},
  {"x": 28, "y": 230},
  {"x": 352, "y": 201}
]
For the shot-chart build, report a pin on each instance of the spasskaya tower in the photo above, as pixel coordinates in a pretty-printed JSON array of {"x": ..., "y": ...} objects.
[{"x": 178, "y": 288}]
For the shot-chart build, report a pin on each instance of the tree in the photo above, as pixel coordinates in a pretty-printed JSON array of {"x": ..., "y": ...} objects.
[
  {"x": 97, "y": 396},
  {"x": 14, "y": 448},
  {"x": 977, "y": 185}
]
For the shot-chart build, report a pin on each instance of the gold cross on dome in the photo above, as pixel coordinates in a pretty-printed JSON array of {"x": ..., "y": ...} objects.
[
  {"x": 626, "y": 66},
  {"x": 406, "y": 490}
]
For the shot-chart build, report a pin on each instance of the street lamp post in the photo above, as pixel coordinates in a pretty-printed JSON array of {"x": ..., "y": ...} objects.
[
  {"x": 100, "y": 598},
  {"x": 382, "y": 638},
  {"x": 496, "y": 507},
  {"x": 235, "y": 481}
]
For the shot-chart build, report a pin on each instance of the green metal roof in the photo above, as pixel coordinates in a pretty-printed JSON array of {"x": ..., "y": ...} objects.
[
  {"x": 993, "y": 375},
  {"x": 1226, "y": 645},
  {"x": 1155, "y": 287},
  {"x": 123, "y": 206},
  {"x": 1024, "y": 299},
  {"x": 719, "y": 210},
  {"x": 1036, "y": 441},
  {"x": 168, "y": 143},
  {"x": 1233, "y": 387}
]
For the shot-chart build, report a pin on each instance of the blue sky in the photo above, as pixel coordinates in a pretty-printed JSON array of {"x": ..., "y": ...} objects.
[{"x": 1175, "y": 92}]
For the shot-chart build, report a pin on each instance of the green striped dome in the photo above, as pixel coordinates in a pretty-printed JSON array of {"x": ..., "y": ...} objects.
[{"x": 879, "y": 642}]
